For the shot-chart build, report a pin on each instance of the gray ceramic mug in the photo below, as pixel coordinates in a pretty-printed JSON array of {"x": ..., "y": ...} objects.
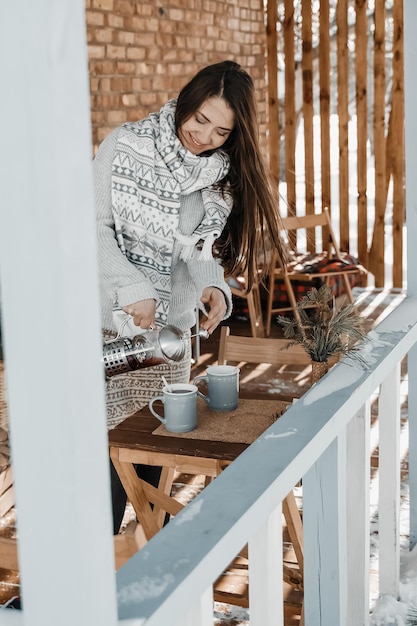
[
  {"x": 223, "y": 387},
  {"x": 180, "y": 407}
]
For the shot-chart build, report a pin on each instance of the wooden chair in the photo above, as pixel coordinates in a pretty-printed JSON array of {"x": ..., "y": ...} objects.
[
  {"x": 238, "y": 287},
  {"x": 264, "y": 350},
  {"x": 237, "y": 349},
  {"x": 316, "y": 228}
]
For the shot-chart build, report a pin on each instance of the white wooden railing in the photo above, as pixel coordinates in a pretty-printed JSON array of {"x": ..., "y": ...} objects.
[{"x": 323, "y": 438}]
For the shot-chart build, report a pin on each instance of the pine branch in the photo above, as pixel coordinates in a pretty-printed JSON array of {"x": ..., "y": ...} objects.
[{"x": 327, "y": 331}]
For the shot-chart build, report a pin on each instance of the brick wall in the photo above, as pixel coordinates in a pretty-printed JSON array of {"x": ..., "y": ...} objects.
[{"x": 142, "y": 53}]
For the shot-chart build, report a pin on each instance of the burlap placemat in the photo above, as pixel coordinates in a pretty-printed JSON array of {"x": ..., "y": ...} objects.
[{"x": 243, "y": 425}]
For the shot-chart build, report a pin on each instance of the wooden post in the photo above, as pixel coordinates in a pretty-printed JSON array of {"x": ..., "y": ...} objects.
[
  {"x": 398, "y": 217},
  {"x": 308, "y": 112},
  {"x": 51, "y": 316},
  {"x": 273, "y": 108},
  {"x": 343, "y": 110},
  {"x": 290, "y": 115},
  {"x": 377, "y": 253},
  {"x": 324, "y": 60},
  {"x": 361, "y": 69}
]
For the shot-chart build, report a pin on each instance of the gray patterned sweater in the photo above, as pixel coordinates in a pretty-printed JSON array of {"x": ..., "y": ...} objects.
[{"x": 122, "y": 282}]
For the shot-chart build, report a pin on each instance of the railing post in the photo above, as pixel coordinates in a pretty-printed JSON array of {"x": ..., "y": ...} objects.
[
  {"x": 51, "y": 316},
  {"x": 412, "y": 449},
  {"x": 389, "y": 484},
  {"x": 202, "y": 613},
  {"x": 358, "y": 525},
  {"x": 265, "y": 572},
  {"x": 324, "y": 515}
]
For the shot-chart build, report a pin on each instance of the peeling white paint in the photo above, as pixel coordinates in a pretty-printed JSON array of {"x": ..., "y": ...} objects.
[
  {"x": 282, "y": 435},
  {"x": 147, "y": 588},
  {"x": 189, "y": 512}
]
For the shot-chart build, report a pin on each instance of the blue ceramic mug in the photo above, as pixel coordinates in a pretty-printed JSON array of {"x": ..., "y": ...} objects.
[
  {"x": 180, "y": 407},
  {"x": 222, "y": 387}
]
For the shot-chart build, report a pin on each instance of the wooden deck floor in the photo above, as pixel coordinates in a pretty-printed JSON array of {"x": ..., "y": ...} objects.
[{"x": 281, "y": 383}]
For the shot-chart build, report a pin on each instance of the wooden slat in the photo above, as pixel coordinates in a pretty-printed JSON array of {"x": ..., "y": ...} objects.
[
  {"x": 272, "y": 64},
  {"x": 295, "y": 527},
  {"x": 308, "y": 109},
  {"x": 184, "y": 464},
  {"x": 371, "y": 256},
  {"x": 335, "y": 94},
  {"x": 324, "y": 63},
  {"x": 307, "y": 221},
  {"x": 289, "y": 106},
  {"x": 264, "y": 351},
  {"x": 377, "y": 252},
  {"x": 398, "y": 173},
  {"x": 361, "y": 68},
  {"x": 342, "y": 107}
]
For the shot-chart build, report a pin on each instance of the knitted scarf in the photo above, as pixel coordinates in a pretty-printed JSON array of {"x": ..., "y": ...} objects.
[{"x": 151, "y": 170}]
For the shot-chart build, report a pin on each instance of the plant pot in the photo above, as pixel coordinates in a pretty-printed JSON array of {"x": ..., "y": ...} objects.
[{"x": 318, "y": 370}]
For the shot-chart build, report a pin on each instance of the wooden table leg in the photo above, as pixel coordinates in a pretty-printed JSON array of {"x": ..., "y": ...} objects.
[
  {"x": 136, "y": 494},
  {"x": 160, "y": 499},
  {"x": 295, "y": 527},
  {"x": 165, "y": 486}
]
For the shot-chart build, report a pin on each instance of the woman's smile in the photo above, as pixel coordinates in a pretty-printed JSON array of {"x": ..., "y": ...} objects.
[
  {"x": 209, "y": 127},
  {"x": 195, "y": 141}
]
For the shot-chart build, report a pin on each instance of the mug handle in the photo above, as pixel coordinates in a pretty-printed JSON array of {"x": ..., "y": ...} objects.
[
  {"x": 199, "y": 393},
  {"x": 152, "y": 410}
]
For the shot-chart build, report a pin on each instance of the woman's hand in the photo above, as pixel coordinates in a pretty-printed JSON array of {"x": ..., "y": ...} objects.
[
  {"x": 143, "y": 312},
  {"x": 215, "y": 301}
]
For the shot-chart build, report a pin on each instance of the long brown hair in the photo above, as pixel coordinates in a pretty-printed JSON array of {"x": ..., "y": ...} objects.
[{"x": 254, "y": 222}]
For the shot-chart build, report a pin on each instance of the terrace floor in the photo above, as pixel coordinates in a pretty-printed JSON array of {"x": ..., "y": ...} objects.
[{"x": 277, "y": 382}]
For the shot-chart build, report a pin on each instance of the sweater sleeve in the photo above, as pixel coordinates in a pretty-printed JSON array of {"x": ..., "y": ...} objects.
[
  {"x": 210, "y": 274},
  {"x": 122, "y": 282},
  {"x": 207, "y": 273}
]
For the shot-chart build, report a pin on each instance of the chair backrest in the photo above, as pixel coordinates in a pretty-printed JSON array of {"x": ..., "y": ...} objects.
[
  {"x": 309, "y": 224},
  {"x": 310, "y": 261},
  {"x": 258, "y": 350}
]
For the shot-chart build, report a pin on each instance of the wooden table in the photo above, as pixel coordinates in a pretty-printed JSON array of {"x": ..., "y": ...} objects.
[
  {"x": 219, "y": 438},
  {"x": 217, "y": 441}
]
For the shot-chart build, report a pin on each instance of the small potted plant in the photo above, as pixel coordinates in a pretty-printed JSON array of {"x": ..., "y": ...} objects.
[{"x": 325, "y": 330}]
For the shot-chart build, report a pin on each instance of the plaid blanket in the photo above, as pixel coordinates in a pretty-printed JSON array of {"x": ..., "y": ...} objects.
[{"x": 307, "y": 263}]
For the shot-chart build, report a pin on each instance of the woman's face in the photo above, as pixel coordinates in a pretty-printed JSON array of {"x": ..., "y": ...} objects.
[{"x": 208, "y": 128}]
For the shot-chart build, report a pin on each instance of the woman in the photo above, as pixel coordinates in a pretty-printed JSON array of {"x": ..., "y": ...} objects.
[{"x": 182, "y": 198}]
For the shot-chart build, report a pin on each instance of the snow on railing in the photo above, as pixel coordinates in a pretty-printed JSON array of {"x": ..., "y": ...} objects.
[{"x": 323, "y": 438}]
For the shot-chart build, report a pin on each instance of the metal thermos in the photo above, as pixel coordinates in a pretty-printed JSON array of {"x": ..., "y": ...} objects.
[{"x": 153, "y": 347}]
